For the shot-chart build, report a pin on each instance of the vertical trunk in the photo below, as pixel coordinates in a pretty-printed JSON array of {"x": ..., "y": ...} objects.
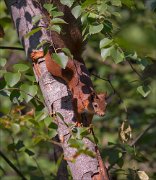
[{"x": 54, "y": 92}]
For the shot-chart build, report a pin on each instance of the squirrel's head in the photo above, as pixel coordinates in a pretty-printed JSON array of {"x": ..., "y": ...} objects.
[{"x": 99, "y": 103}]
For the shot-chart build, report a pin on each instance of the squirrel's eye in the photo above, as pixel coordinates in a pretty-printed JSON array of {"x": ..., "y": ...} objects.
[{"x": 95, "y": 105}]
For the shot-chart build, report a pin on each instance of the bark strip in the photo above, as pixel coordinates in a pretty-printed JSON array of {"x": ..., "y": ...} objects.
[{"x": 54, "y": 92}]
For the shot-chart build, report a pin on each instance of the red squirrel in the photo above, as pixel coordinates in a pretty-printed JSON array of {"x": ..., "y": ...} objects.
[
  {"x": 75, "y": 74},
  {"x": 77, "y": 78}
]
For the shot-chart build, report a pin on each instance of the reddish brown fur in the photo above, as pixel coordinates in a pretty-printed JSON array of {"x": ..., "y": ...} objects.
[{"x": 77, "y": 78}]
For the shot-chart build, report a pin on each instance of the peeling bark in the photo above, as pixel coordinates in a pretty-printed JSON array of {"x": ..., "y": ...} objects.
[{"x": 54, "y": 92}]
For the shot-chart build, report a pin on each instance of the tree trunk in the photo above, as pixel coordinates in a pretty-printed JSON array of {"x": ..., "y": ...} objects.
[{"x": 55, "y": 93}]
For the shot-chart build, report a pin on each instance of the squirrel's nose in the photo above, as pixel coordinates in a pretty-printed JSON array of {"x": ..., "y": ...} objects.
[{"x": 102, "y": 114}]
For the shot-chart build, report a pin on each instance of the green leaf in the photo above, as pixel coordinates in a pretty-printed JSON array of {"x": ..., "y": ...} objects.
[
  {"x": 116, "y": 2},
  {"x": 60, "y": 59},
  {"x": 143, "y": 63},
  {"x": 144, "y": 90},
  {"x": 20, "y": 67},
  {"x": 67, "y": 52},
  {"x": 58, "y": 21},
  {"x": 28, "y": 91},
  {"x": 47, "y": 121},
  {"x": 128, "y": 3},
  {"x": 88, "y": 3},
  {"x": 38, "y": 139},
  {"x": 2, "y": 72},
  {"x": 14, "y": 94},
  {"x": 56, "y": 28},
  {"x": 30, "y": 78},
  {"x": 32, "y": 168},
  {"x": 12, "y": 78},
  {"x": 30, "y": 153},
  {"x": 56, "y": 14},
  {"x": 120, "y": 162},
  {"x": 105, "y": 42},
  {"x": 102, "y": 8},
  {"x": 35, "y": 177},
  {"x": 76, "y": 143},
  {"x": 68, "y": 3},
  {"x": 53, "y": 126},
  {"x": 95, "y": 29},
  {"x": 106, "y": 52},
  {"x": 36, "y": 18},
  {"x": 15, "y": 128},
  {"x": 49, "y": 7},
  {"x": 11, "y": 147},
  {"x": 3, "y": 62},
  {"x": 60, "y": 115},
  {"x": 19, "y": 145},
  {"x": 33, "y": 32},
  {"x": 118, "y": 56},
  {"x": 42, "y": 43},
  {"x": 76, "y": 11}
]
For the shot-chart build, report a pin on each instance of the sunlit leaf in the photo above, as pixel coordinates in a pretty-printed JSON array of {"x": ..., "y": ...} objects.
[
  {"x": 67, "y": 52},
  {"x": 118, "y": 55},
  {"x": 142, "y": 175},
  {"x": 56, "y": 28},
  {"x": 68, "y": 3},
  {"x": 32, "y": 32},
  {"x": 106, "y": 52},
  {"x": 116, "y": 2},
  {"x": 20, "y": 67},
  {"x": 144, "y": 90},
  {"x": 58, "y": 21},
  {"x": 128, "y": 3},
  {"x": 105, "y": 42},
  {"x": 56, "y": 14},
  {"x": 61, "y": 59},
  {"x": 12, "y": 78},
  {"x": 88, "y": 3},
  {"x": 15, "y": 128},
  {"x": 49, "y": 7},
  {"x": 36, "y": 18},
  {"x": 3, "y": 62},
  {"x": 28, "y": 92},
  {"x": 95, "y": 29},
  {"x": 125, "y": 131},
  {"x": 76, "y": 11}
]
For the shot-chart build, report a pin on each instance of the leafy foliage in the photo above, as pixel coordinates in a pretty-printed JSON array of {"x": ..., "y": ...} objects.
[{"x": 121, "y": 50}]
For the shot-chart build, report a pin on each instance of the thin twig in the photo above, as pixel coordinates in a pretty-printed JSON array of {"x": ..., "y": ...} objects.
[
  {"x": 16, "y": 156},
  {"x": 12, "y": 165},
  {"x": 12, "y": 48},
  {"x": 153, "y": 124},
  {"x": 114, "y": 90},
  {"x": 134, "y": 69},
  {"x": 55, "y": 142},
  {"x": 21, "y": 91},
  {"x": 38, "y": 167}
]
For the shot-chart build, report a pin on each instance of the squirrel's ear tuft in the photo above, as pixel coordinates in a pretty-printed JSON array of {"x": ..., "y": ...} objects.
[{"x": 92, "y": 95}]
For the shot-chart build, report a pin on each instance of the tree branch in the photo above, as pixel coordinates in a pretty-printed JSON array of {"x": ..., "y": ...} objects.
[
  {"x": 150, "y": 126},
  {"x": 12, "y": 48},
  {"x": 55, "y": 92},
  {"x": 12, "y": 165}
]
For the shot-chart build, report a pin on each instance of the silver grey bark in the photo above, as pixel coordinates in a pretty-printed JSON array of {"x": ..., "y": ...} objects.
[{"x": 54, "y": 92}]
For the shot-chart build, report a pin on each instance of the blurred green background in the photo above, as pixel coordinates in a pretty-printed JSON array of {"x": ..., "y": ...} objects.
[{"x": 26, "y": 129}]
